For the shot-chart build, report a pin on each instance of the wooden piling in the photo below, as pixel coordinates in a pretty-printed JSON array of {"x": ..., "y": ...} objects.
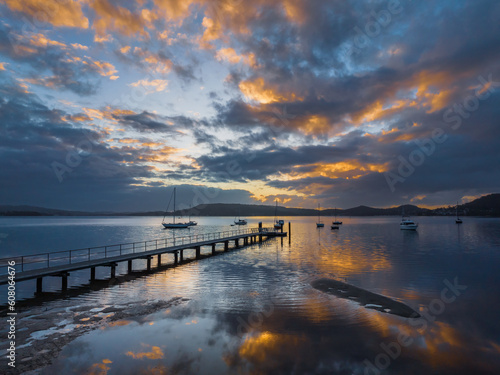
[
  {"x": 92, "y": 273},
  {"x": 213, "y": 249},
  {"x": 198, "y": 252},
  {"x": 130, "y": 266},
  {"x": 64, "y": 282},
  {"x": 39, "y": 285}
]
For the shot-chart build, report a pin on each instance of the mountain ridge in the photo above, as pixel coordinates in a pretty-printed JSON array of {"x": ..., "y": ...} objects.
[{"x": 488, "y": 205}]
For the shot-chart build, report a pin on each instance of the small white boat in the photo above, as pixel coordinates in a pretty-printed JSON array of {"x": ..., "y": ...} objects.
[
  {"x": 458, "y": 220},
  {"x": 407, "y": 224},
  {"x": 173, "y": 224},
  {"x": 191, "y": 222},
  {"x": 278, "y": 224},
  {"x": 319, "y": 224},
  {"x": 336, "y": 222},
  {"x": 240, "y": 222}
]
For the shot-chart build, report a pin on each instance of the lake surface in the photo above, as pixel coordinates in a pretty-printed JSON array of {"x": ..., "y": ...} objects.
[{"x": 253, "y": 310}]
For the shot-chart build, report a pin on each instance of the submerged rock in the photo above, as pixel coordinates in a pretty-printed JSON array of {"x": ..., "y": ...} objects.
[{"x": 364, "y": 297}]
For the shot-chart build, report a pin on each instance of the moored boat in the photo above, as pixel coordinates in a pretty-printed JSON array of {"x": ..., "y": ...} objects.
[
  {"x": 458, "y": 220},
  {"x": 173, "y": 224},
  {"x": 406, "y": 223},
  {"x": 319, "y": 224}
]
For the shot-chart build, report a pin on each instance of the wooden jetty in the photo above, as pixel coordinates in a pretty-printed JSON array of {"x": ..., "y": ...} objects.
[{"x": 61, "y": 263}]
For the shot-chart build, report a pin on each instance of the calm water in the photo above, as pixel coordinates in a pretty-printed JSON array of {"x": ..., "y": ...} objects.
[{"x": 253, "y": 310}]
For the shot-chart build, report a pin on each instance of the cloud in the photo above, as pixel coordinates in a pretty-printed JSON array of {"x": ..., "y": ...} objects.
[
  {"x": 150, "y": 86},
  {"x": 145, "y": 122},
  {"x": 66, "y": 13},
  {"x": 113, "y": 18}
]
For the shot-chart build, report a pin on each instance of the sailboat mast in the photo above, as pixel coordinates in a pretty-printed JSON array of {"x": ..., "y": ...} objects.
[{"x": 174, "y": 206}]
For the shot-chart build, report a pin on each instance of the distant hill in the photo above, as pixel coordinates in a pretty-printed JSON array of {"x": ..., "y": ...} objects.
[
  {"x": 41, "y": 211},
  {"x": 488, "y": 205}
]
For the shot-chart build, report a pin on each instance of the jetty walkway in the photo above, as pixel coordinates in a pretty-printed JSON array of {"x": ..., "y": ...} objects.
[{"x": 61, "y": 263}]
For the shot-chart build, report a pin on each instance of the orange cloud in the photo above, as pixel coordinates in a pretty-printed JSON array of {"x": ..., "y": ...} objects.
[
  {"x": 230, "y": 55},
  {"x": 294, "y": 10},
  {"x": 128, "y": 140},
  {"x": 58, "y": 13},
  {"x": 174, "y": 9},
  {"x": 79, "y": 46},
  {"x": 155, "y": 85},
  {"x": 156, "y": 63},
  {"x": 102, "y": 38},
  {"x": 39, "y": 40},
  {"x": 103, "y": 68},
  {"x": 260, "y": 91},
  {"x": 125, "y": 49},
  {"x": 2, "y": 65},
  {"x": 213, "y": 31},
  {"x": 116, "y": 18}
]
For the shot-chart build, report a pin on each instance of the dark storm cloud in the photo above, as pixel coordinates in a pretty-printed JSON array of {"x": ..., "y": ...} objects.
[
  {"x": 150, "y": 122},
  {"x": 73, "y": 168},
  {"x": 34, "y": 137},
  {"x": 53, "y": 60}
]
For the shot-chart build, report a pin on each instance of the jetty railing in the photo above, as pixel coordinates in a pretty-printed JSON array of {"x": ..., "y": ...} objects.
[{"x": 57, "y": 258}]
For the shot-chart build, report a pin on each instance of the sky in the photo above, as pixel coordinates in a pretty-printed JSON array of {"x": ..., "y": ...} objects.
[{"x": 107, "y": 105}]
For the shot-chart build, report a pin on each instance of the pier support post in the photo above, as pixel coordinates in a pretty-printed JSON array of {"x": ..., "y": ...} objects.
[
  {"x": 159, "y": 260},
  {"x": 237, "y": 243},
  {"x": 289, "y": 232},
  {"x": 130, "y": 266},
  {"x": 176, "y": 258},
  {"x": 64, "y": 282},
  {"x": 113, "y": 271},
  {"x": 198, "y": 252},
  {"x": 182, "y": 255},
  {"x": 226, "y": 245},
  {"x": 260, "y": 238},
  {"x": 213, "y": 249},
  {"x": 149, "y": 263},
  {"x": 92, "y": 273},
  {"x": 39, "y": 285}
]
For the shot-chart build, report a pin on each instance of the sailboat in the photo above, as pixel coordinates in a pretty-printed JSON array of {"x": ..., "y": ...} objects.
[
  {"x": 406, "y": 223},
  {"x": 239, "y": 221},
  {"x": 173, "y": 224},
  {"x": 336, "y": 222},
  {"x": 278, "y": 224},
  {"x": 319, "y": 224},
  {"x": 191, "y": 222},
  {"x": 458, "y": 220}
]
